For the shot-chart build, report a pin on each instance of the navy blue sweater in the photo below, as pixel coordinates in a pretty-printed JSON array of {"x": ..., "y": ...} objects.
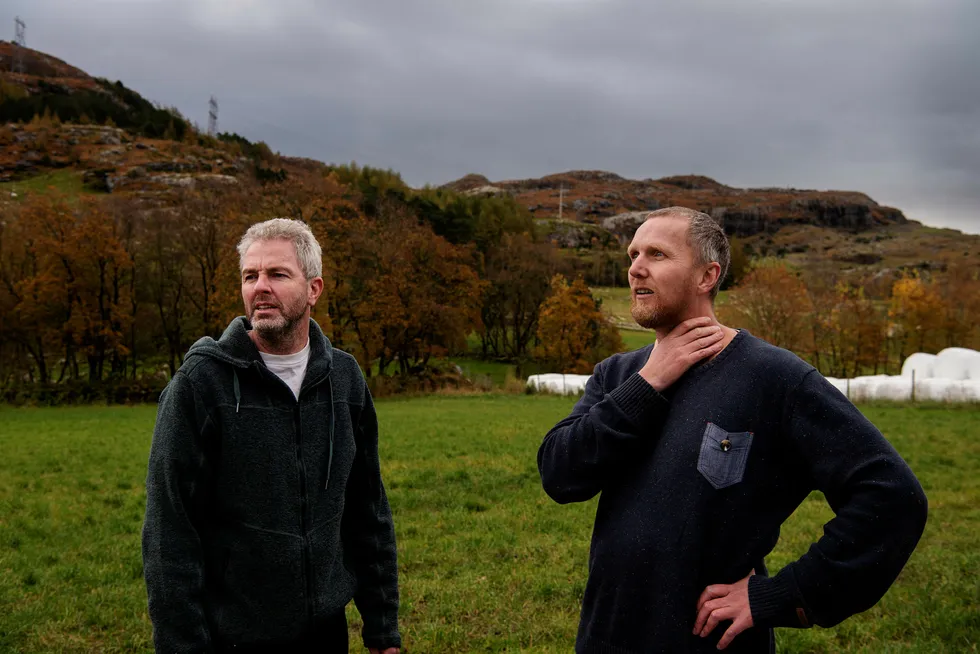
[{"x": 695, "y": 483}]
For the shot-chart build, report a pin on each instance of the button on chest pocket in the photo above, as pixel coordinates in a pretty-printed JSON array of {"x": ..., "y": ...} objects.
[{"x": 723, "y": 455}]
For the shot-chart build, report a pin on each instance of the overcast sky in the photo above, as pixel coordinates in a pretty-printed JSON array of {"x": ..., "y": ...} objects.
[{"x": 880, "y": 96}]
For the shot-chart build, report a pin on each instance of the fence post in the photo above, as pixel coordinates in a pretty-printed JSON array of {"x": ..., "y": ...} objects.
[
  {"x": 913, "y": 384},
  {"x": 848, "y": 393}
]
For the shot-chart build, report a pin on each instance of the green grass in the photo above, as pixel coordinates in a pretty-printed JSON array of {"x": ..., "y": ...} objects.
[
  {"x": 634, "y": 339},
  {"x": 615, "y": 301},
  {"x": 494, "y": 371},
  {"x": 67, "y": 182},
  {"x": 488, "y": 563}
]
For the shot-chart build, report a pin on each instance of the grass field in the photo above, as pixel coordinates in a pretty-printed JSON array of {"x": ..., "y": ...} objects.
[
  {"x": 68, "y": 182},
  {"x": 488, "y": 563}
]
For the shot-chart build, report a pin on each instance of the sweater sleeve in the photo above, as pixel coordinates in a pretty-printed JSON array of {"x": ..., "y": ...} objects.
[
  {"x": 603, "y": 430},
  {"x": 880, "y": 514},
  {"x": 173, "y": 563},
  {"x": 369, "y": 538}
]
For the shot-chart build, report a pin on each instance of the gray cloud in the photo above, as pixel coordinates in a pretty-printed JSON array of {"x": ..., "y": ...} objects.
[{"x": 881, "y": 96}]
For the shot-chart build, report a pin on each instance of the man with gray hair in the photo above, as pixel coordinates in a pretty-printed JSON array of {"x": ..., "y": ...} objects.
[
  {"x": 265, "y": 509},
  {"x": 699, "y": 448}
]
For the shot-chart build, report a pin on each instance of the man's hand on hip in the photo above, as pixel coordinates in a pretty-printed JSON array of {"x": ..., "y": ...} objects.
[
  {"x": 724, "y": 602},
  {"x": 686, "y": 344},
  {"x": 390, "y": 650}
]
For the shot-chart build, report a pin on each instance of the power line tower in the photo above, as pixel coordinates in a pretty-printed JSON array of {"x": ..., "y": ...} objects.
[
  {"x": 561, "y": 199},
  {"x": 212, "y": 117},
  {"x": 20, "y": 38}
]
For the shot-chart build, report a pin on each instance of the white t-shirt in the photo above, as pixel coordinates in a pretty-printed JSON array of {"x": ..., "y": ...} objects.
[{"x": 291, "y": 368}]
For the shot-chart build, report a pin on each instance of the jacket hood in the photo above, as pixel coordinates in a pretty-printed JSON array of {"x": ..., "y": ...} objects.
[{"x": 235, "y": 348}]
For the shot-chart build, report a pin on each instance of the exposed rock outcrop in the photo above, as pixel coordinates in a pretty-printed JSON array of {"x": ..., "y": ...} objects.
[{"x": 607, "y": 199}]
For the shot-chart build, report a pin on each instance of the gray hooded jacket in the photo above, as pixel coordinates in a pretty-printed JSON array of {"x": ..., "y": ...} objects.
[{"x": 265, "y": 515}]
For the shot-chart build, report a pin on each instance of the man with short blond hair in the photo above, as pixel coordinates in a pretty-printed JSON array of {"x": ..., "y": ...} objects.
[
  {"x": 265, "y": 509},
  {"x": 699, "y": 448}
]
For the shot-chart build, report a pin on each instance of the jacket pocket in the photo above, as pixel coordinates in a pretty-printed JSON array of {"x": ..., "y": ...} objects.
[{"x": 723, "y": 455}]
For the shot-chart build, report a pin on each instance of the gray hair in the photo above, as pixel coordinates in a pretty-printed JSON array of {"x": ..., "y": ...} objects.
[
  {"x": 296, "y": 232},
  {"x": 705, "y": 236}
]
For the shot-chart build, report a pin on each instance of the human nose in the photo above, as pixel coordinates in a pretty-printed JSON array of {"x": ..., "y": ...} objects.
[
  {"x": 262, "y": 284},
  {"x": 636, "y": 269}
]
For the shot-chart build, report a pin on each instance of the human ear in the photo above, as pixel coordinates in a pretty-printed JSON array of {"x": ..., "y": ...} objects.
[
  {"x": 709, "y": 277},
  {"x": 316, "y": 288}
]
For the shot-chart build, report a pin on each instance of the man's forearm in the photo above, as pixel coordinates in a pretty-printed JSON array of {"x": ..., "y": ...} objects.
[{"x": 581, "y": 450}]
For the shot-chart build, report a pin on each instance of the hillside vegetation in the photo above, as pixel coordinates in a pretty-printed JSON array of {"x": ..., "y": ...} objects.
[{"x": 119, "y": 219}]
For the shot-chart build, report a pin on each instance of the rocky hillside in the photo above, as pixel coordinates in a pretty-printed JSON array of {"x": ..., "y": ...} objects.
[
  {"x": 112, "y": 159},
  {"x": 822, "y": 232},
  {"x": 55, "y": 118},
  {"x": 617, "y": 203}
]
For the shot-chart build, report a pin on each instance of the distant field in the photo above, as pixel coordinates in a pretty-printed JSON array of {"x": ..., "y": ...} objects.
[
  {"x": 487, "y": 562},
  {"x": 68, "y": 182}
]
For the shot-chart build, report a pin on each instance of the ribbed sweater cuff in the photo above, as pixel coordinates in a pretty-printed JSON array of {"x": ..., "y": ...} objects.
[
  {"x": 638, "y": 400},
  {"x": 773, "y": 602},
  {"x": 383, "y": 642}
]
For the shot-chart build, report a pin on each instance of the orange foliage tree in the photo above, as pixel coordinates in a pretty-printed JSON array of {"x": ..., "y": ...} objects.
[
  {"x": 771, "y": 301},
  {"x": 573, "y": 333},
  {"x": 852, "y": 334},
  {"x": 416, "y": 294},
  {"x": 960, "y": 292},
  {"x": 916, "y": 313}
]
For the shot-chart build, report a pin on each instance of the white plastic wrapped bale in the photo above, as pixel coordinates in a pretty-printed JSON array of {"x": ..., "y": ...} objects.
[
  {"x": 937, "y": 389},
  {"x": 971, "y": 390},
  {"x": 957, "y": 363},
  {"x": 963, "y": 391},
  {"x": 864, "y": 389},
  {"x": 923, "y": 364},
  {"x": 558, "y": 383},
  {"x": 895, "y": 389}
]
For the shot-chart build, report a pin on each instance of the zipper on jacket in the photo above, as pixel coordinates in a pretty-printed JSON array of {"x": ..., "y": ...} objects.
[{"x": 303, "y": 503}]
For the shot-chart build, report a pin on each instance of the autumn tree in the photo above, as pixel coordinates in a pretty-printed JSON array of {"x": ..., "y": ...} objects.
[
  {"x": 417, "y": 294},
  {"x": 212, "y": 220},
  {"x": 573, "y": 333},
  {"x": 518, "y": 273},
  {"x": 101, "y": 270},
  {"x": 853, "y": 334},
  {"x": 30, "y": 311},
  {"x": 960, "y": 292},
  {"x": 50, "y": 226},
  {"x": 167, "y": 280},
  {"x": 771, "y": 302},
  {"x": 916, "y": 312}
]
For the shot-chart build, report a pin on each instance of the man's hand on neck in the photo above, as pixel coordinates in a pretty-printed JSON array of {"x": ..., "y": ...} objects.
[
  {"x": 691, "y": 341},
  {"x": 702, "y": 310}
]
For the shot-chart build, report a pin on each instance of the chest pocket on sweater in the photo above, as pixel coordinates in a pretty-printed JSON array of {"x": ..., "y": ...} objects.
[{"x": 723, "y": 455}]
